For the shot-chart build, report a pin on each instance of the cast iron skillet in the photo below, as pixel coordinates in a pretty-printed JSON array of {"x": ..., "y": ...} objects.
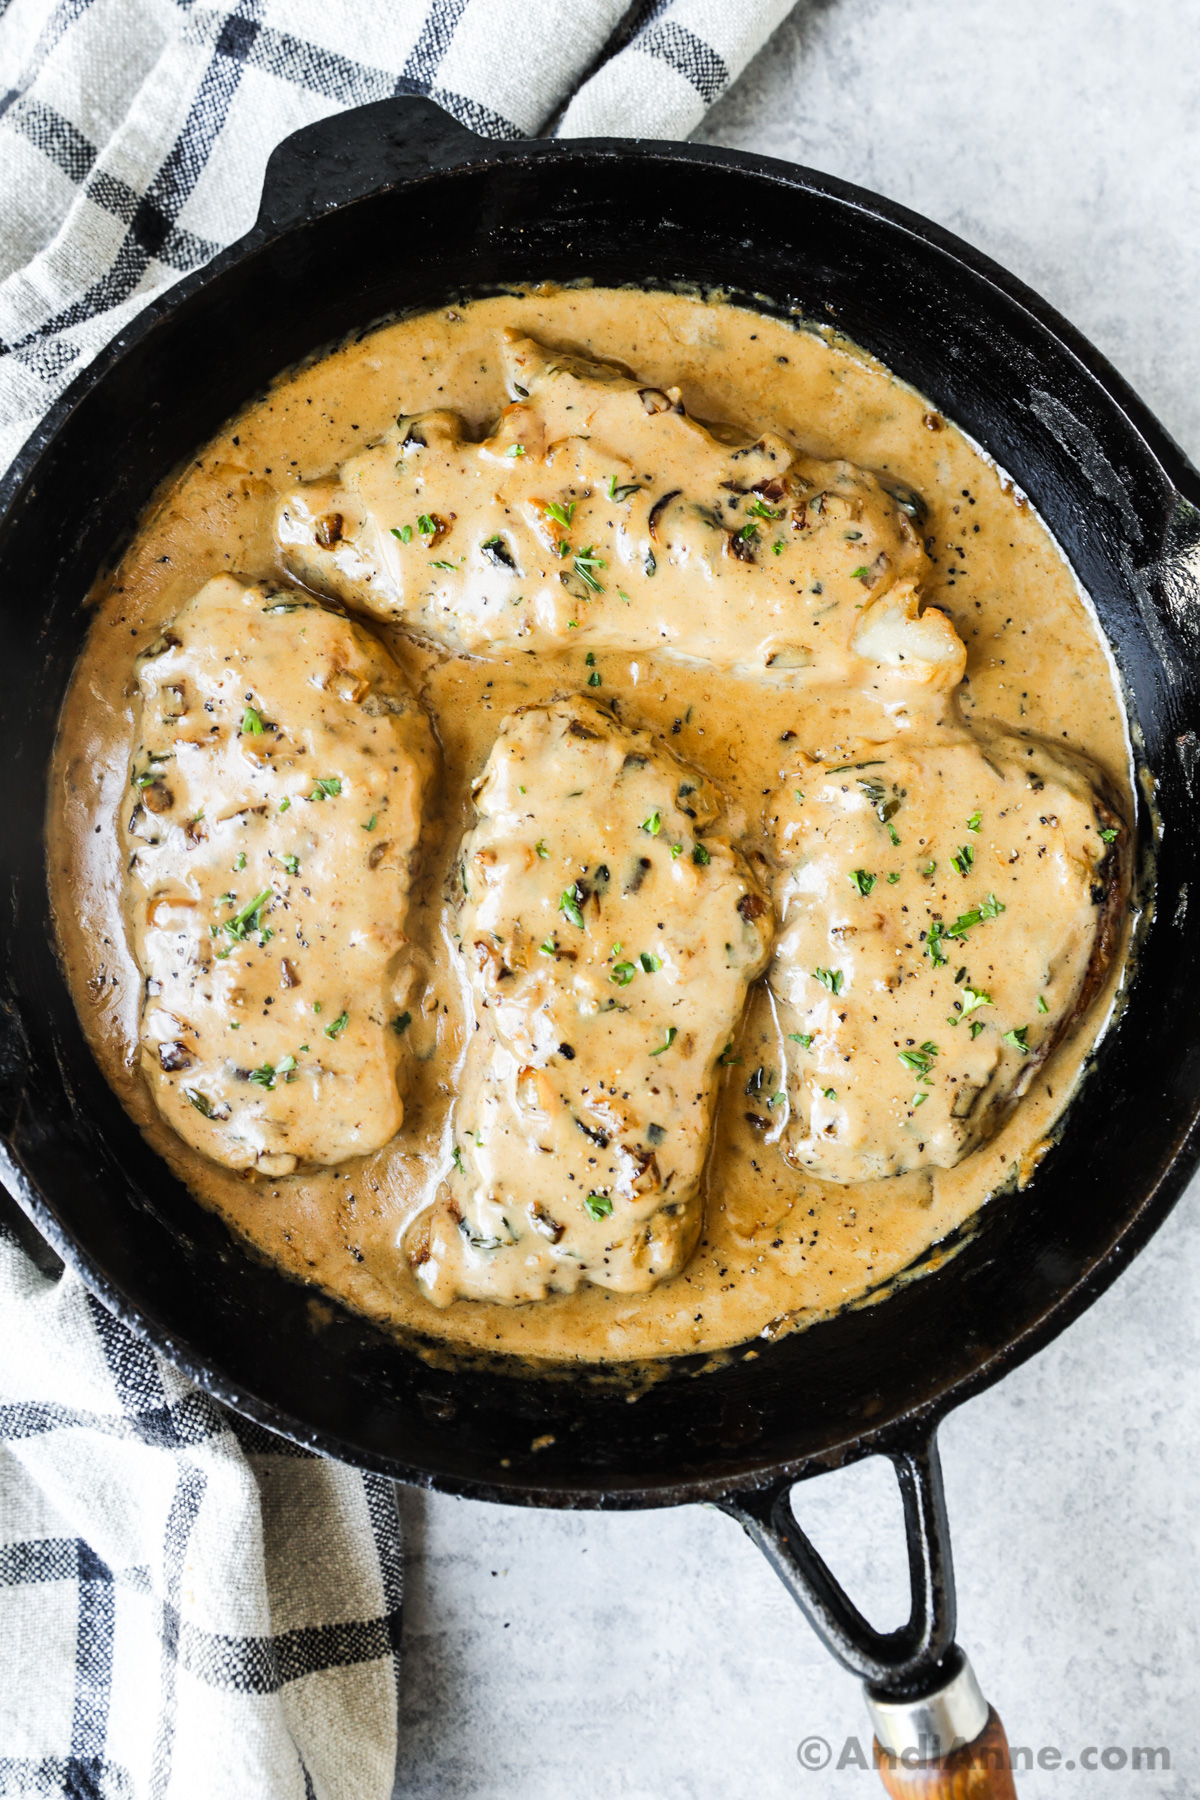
[{"x": 395, "y": 207}]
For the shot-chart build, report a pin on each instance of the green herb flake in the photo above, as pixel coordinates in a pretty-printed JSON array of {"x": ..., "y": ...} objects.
[
  {"x": 892, "y": 833},
  {"x": 284, "y": 804},
  {"x": 727, "y": 1058},
  {"x": 973, "y": 999},
  {"x": 569, "y": 905},
  {"x": 549, "y": 948},
  {"x": 894, "y": 877},
  {"x": 370, "y": 824},
  {"x": 336, "y": 1026},
  {"x": 426, "y": 526},
  {"x": 918, "y": 1061},
  {"x": 451, "y": 568},
  {"x": 759, "y": 509},
  {"x": 653, "y": 824},
  {"x": 401, "y": 1024},
  {"x": 650, "y": 962},
  {"x": 830, "y": 978},
  {"x": 623, "y": 490},
  {"x": 585, "y": 565},
  {"x": 248, "y": 918},
  {"x": 1016, "y": 1039},
  {"x": 515, "y": 450},
  {"x": 829, "y": 1093},
  {"x": 540, "y": 847},
  {"x": 597, "y": 1207},
  {"x": 1108, "y": 833},
  {"x": 672, "y": 1034},
  {"x": 977, "y": 1025},
  {"x": 264, "y": 1077},
  {"x": 700, "y": 856},
  {"x": 933, "y": 944},
  {"x": 859, "y": 574},
  {"x": 978, "y": 915},
  {"x": 251, "y": 723},
  {"x": 778, "y": 547},
  {"x": 200, "y": 1101},
  {"x": 326, "y": 787},
  {"x": 975, "y": 822},
  {"x": 458, "y": 1161},
  {"x": 593, "y": 679},
  {"x": 1041, "y": 1004},
  {"x": 964, "y": 859},
  {"x": 803, "y": 1038},
  {"x": 403, "y": 532},
  {"x": 562, "y": 512},
  {"x": 862, "y": 882},
  {"x": 623, "y": 973}
]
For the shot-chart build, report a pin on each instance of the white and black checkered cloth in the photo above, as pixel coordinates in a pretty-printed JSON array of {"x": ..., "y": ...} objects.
[{"x": 188, "y": 1606}]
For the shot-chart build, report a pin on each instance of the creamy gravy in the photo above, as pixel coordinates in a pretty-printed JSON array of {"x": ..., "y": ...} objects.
[{"x": 779, "y": 1247}]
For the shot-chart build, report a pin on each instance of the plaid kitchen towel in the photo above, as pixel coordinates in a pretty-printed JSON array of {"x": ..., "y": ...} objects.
[
  {"x": 134, "y": 133},
  {"x": 188, "y": 1606}
]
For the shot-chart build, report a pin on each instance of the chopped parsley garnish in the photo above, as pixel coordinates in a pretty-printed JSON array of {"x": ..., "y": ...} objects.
[
  {"x": 803, "y": 1038},
  {"x": 975, "y": 822},
  {"x": 676, "y": 850},
  {"x": 549, "y": 948},
  {"x": 593, "y": 679},
  {"x": 760, "y": 510},
  {"x": 919, "y": 1061},
  {"x": 778, "y": 547},
  {"x": 650, "y": 962},
  {"x": 370, "y": 824},
  {"x": 862, "y": 881},
  {"x": 284, "y": 804},
  {"x": 403, "y": 532},
  {"x": 426, "y": 526},
  {"x": 726, "y": 1058},
  {"x": 291, "y": 864},
  {"x": 239, "y": 861},
  {"x": 336, "y": 1026},
  {"x": 623, "y": 973},
  {"x": 929, "y": 869},
  {"x": 859, "y": 574},
  {"x": 200, "y": 1101},
  {"x": 672, "y": 1034},
  {"x": 622, "y": 490},
  {"x": 892, "y": 832},
  {"x": 562, "y": 512},
  {"x": 515, "y": 450},
  {"x": 978, "y": 915},
  {"x": 401, "y": 1024},
  {"x": 894, "y": 877},
  {"x": 540, "y": 847},
  {"x": 653, "y": 824},
  {"x": 1108, "y": 833},
  {"x": 1041, "y": 1004},
  {"x": 251, "y": 722},
  {"x": 1016, "y": 1038},
  {"x": 933, "y": 944},
  {"x": 458, "y": 1161},
  {"x": 597, "y": 1207},
  {"x": 570, "y": 906},
  {"x": 700, "y": 856},
  {"x": 748, "y": 533},
  {"x": 918, "y": 1099},
  {"x": 264, "y": 1077},
  {"x": 973, "y": 999},
  {"x": 964, "y": 859},
  {"x": 830, "y": 978},
  {"x": 451, "y": 568},
  {"x": 829, "y": 1093},
  {"x": 586, "y": 564},
  {"x": 248, "y": 918},
  {"x": 326, "y": 787}
]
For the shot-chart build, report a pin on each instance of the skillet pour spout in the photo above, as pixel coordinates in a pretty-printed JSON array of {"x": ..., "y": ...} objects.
[{"x": 344, "y": 201}]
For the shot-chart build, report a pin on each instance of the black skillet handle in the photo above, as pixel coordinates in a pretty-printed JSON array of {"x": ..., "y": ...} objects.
[
  {"x": 352, "y": 154},
  {"x": 936, "y": 1737}
]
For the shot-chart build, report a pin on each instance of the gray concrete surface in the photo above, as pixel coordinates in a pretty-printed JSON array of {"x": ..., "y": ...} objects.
[{"x": 654, "y": 1656}]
